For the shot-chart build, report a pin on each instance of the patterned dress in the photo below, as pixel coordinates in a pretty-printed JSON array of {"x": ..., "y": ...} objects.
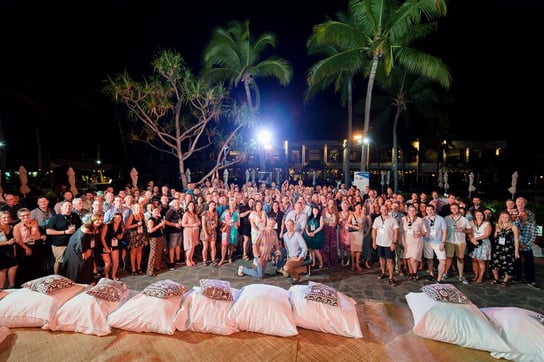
[
  {"x": 343, "y": 232},
  {"x": 230, "y": 234},
  {"x": 504, "y": 252},
  {"x": 137, "y": 237},
  {"x": 482, "y": 251},
  {"x": 210, "y": 224},
  {"x": 330, "y": 235}
]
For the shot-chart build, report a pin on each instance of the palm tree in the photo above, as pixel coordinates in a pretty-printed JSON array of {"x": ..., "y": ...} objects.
[
  {"x": 234, "y": 56},
  {"x": 327, "y": 72},
  {"x": 381, "y": 31},
  {"x": 412, "y": 98}
]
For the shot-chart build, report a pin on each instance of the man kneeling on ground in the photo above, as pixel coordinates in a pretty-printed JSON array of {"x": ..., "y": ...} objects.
[{"x": 265, "y": 242}]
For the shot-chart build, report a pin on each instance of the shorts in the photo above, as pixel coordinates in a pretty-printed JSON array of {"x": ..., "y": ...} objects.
[
  {"x": 385, "y": 252},
  {"x": 453, "y": 249},
  {"x": 58, "y": 253},
  {"x": 429, "y": 249},
  {"x": 175, "y": 240}
]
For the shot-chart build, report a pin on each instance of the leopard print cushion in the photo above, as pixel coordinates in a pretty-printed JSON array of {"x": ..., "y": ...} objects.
[
  {"x": 445, "y": 293},
  {"x": 110, "y": 290},
  {"x": 49, "y": 284},
  {"x": 216, "y": 289},
  {"x": 322, "y": 293},
  {"x": 165, "y": 289}
]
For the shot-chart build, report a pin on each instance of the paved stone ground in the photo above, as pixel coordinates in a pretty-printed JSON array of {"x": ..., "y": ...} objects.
[{"x": 359, "y": 285}]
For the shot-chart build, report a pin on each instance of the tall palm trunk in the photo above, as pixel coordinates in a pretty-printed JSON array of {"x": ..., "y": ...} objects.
[
  {"x": 347, "y": 176},
  {"x": 368, "y": 100}
]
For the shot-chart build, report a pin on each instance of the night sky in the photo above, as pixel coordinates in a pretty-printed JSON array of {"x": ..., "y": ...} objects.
[{"x": 55, "y": 58}]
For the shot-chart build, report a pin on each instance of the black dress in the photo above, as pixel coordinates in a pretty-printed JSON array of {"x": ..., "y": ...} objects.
[{"x": 73, "y": 266}]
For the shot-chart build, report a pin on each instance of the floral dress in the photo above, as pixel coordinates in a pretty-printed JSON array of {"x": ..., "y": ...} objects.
[
  {"x": 230, "y": 233},
  {"x": 343, "y": 232},
  {"x": 504, "y": 252},
  {"x": 210, "y": 224},
  {"x": 137, "y": 237}
]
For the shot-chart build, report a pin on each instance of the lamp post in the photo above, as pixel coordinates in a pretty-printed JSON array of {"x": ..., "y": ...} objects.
[
  {"x": 365, "y": 146},
  {"x": 416, "y": 146},
  {"x": 359, "y": 139},
  {"x": 366, "y": 141}
]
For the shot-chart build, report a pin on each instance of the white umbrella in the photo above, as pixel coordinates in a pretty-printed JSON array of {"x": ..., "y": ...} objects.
[
  {"x": 278, "y": 176},
  {"x": 23, "y": 177},
  {"x": 226, "y": 177},
  {"x": 388, "y": 177},
  {"x": 247, "y": 175},
  {"x": 313, "y": 177},
  {"x": 446, "y": 185},
  {"x": 72, "y": 180},
  {"x": 253, "y": 175},
  {"x": 383, "y": 173},
  {"x": 134, "y": 177},
  {"x": 513, "y": 188},
  {"x": 471, "y": 187},
  {"x": 440, "y": 179},
  {"x": 188, "y": 175}
]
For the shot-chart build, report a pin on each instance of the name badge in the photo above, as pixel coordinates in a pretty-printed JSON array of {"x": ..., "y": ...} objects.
[
  {"x": 114, "y": 242},
  {"x": 478, "y": 233},
  {"x": 502, "y": 240},
  {"x": 433, "y": 232},
  {"x": 410, "y": 231},
  {"x": 92, "y": 243},
  {"x": 381, "y": 230}
]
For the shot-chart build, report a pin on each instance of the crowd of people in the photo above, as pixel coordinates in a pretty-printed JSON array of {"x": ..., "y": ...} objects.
[{"x": 104, "y": 233}]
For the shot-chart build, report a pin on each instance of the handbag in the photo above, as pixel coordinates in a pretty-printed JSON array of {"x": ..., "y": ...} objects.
[{"x": 352, "y": 229}]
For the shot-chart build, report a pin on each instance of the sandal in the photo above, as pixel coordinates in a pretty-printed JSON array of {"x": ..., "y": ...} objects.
[
  {"x": 222, "y": 263},
  {"x": 381, "y": 276},
  {"x": 245, "y": 257},
  {"x": 392, "y": 282},
  {"x": 215, "y": 263},
  {"x": 504, "y": 284},
  {"x": 495, "y": 282}
]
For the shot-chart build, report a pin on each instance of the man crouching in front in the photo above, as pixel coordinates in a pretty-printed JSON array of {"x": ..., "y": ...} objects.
[{"x": 296, "y": 251}]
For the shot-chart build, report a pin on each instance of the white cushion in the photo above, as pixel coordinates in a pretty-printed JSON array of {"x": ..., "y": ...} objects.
[
  {"x": 86, "y": 313},
  {"x": 461, "y": 324},
  {"x": 143, "y": 313},
  {"x": 524, "y": 334},
  {"x": 27, "y": 308},
  {"x": 341, "y": 320},
  {"x": 264, "y": 308},
  {"x": 209, "y": 315}
]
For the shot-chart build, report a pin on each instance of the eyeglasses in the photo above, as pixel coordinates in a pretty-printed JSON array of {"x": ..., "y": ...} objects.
[{"x": 24, "y": 215}]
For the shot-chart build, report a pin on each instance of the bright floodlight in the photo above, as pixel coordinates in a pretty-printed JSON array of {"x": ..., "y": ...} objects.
[{"x": 264, "y": 137}]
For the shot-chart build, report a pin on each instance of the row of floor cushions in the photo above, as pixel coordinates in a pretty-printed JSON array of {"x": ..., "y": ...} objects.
[{"x": 58, "y": 304}]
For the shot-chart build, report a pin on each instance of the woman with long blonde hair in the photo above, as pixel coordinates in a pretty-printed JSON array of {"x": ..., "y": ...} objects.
[{"x": 506, "y": 249}]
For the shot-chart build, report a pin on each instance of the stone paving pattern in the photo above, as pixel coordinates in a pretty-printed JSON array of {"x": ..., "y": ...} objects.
[{"x": 359, "y": 285}]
